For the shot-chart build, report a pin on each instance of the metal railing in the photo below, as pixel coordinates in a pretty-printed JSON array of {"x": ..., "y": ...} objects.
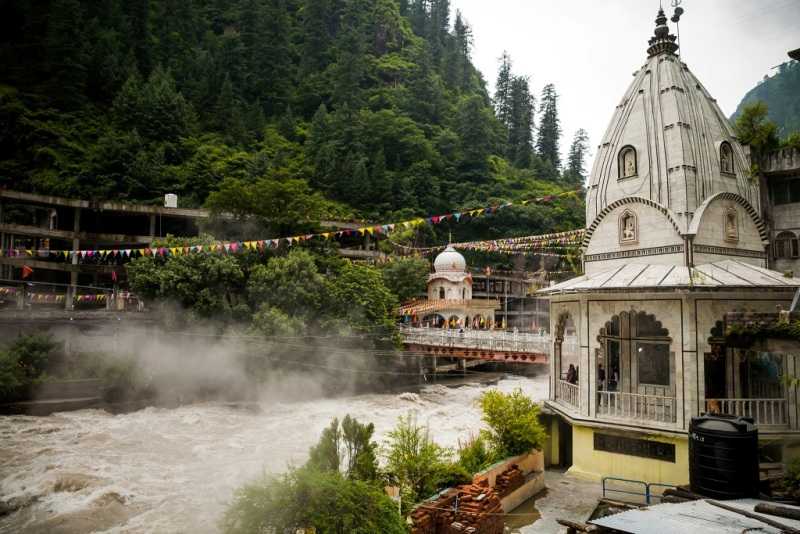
[
  {"x": 568, "y": 393},
  {"x": 765, "y": 412},
  {"x": 648, "y": 495},
  {"x": 620, "y": 405},
  {"x": 478, "y": 339}
]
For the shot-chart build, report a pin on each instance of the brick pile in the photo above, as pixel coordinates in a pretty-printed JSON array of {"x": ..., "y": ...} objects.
[
  {"x": 509, "y": 480},
  {"x": 479, "y": 512}
]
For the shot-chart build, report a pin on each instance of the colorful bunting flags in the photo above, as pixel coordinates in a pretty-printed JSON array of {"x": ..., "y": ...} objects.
[{"x": 561, "y": 239}]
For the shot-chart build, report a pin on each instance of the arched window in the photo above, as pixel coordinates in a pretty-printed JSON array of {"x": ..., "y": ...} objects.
[
  {"x": 441, "y": 293},
  {"x": 628, "y": 228},
  {"x": 635, "y": 356},
  {"x": 726, "y": 158},
  {"x": 627, "y": 162},
  {"x": 786, "y": 246}
]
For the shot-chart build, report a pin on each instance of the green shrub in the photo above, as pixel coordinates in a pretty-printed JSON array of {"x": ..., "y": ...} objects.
[
  {"x": 307, "y": 498},
  {"x": 474, "y": 455},
  {"x": 513, "y": 420},
  {"x": 415, "y": 460},
  {"x": 791, "y": 478},
  {"x": 23, "y": 363}
]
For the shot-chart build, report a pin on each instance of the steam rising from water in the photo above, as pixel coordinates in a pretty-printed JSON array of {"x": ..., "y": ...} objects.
[{"x": 174, "y": 470}]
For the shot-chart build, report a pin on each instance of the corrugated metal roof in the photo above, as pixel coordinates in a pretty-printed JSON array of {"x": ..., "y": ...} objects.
[
  {"x": 692, "y": 516},
  {"x": 721, "y": 274}
]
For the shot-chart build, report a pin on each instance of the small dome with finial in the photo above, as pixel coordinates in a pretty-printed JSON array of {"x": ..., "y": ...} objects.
[{"x": 450, "y": 260}]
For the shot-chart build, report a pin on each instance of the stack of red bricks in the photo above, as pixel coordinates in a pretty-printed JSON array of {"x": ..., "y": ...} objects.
[
  {"x": 509, "y": 480},
  {"x": 477, "y": 510}
]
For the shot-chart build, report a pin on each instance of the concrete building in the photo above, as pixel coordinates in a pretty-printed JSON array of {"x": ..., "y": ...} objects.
[
  {"x": 42, "y": 223},
  {"x": 519, "y": 306},
  {"x": 675, "y": 240},
  {"x": 781, "y": 170}
]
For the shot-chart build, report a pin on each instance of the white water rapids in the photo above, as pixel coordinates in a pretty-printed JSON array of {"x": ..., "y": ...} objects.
[{"x": 175, "y": 470}]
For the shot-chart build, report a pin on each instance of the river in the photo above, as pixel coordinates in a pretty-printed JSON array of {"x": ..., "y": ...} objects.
[{"x": 174, "y": 470}]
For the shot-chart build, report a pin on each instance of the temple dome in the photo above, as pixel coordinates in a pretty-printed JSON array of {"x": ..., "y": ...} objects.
[
  {"x": 450, "y": 260},
  {"x": 668, "y": 141}
]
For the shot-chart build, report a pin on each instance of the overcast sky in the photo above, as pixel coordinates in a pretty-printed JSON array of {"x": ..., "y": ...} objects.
[{"x": 590, "y": 48}]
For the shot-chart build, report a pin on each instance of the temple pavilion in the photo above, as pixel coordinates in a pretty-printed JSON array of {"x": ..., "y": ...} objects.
[
  {"x": 674, "y": 242},
  {"x": 450, "y": 303}
]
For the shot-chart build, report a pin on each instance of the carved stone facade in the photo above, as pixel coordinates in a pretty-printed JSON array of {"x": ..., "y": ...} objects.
[{"x": 675, "y": 240}]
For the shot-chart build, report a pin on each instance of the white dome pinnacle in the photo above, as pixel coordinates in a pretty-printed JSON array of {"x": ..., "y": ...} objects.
[{"x": 450, "y": 260}]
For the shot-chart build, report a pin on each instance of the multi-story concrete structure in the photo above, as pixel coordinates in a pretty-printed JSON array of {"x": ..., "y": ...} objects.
[
  {"x": 42, "y": 223},
  {"x": 675, "y": 240},
  {"x": 781, "y": 170}
]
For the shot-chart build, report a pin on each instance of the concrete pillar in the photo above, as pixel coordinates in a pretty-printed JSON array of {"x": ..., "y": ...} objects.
[
  {"x": 152, "y": 225},
  {"x": 69, "y": 301}
]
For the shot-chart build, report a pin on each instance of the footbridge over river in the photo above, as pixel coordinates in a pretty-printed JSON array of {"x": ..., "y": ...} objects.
[{"x": 469, "y": 347}]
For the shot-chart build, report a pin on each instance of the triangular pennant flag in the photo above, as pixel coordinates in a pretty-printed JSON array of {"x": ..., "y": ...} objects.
[
  {"x": 457, "y": 216},
  {"x": 173, "y": 251},
  {"x": 227, "y": 247},
  {"x": 435, "y": 219}
]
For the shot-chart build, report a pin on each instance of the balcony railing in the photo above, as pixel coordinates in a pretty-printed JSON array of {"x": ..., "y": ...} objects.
[
  {"x": 568, "y": 394},
  {"x": 478, "y": 339},
  {"x": 765, "y": 412},
  {"x": 618, "y": 405}
]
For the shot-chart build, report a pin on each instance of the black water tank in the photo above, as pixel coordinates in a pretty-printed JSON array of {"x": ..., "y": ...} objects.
[{"x": 723, "y": 457}]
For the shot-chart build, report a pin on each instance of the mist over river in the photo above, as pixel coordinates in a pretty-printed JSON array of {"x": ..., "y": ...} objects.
[{"x": 175, "y": 470}]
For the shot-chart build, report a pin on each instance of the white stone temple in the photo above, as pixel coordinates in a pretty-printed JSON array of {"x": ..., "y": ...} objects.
[
  {"x": 674, "y": 241},
  {"x": 450, "y": 303}
]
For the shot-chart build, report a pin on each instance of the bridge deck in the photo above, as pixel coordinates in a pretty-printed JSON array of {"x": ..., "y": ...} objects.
[{"x": 490, "y": 345}]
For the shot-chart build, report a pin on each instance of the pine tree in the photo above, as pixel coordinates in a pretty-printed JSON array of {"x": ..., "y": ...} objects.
[
  {"x": 438, "y": 29},
  {"x": 228, "y": 116},
  {"x": 350, "y": 67},
  {"x": 461, "y": 67},
  {"x": 419, "y": 16},
  {"x": 520, "y": 133},
  {"x": 576, "y": 159},
  {"x": 139, "y": 33},
  {"x": 66, "y": 53},
  {"x": 502, "y": 93},
  {"x": 473, "y": 126},
  {"x": 547, "y": 143},
  {"x": 266, "y": 29}
]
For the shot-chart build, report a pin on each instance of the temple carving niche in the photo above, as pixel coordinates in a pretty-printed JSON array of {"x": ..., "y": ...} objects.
[
  {"x": 731, "y": 226},
  {"x": 628, "y": 228}
]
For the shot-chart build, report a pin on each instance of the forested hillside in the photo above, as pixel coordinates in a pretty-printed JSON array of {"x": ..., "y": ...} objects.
[
  {"x": 780, "y": 94},
  {"x": 367, "y": 108}
]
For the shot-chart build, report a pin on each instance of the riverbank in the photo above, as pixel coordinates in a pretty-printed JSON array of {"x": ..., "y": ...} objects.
[{"x": 175, "y": 469}]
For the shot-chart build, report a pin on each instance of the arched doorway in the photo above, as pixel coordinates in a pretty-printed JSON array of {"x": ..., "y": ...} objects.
[
  {"x": 433, "y": 320},
  {"x": 566, "y": 362},
  {"x": 565, "y": 348},
  {"x": 742, "y": 377},
  {"x": 635, "y": 368}
]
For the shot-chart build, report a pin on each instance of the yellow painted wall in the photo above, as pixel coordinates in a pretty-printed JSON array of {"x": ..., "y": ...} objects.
[{"x": 589, "y": 463}]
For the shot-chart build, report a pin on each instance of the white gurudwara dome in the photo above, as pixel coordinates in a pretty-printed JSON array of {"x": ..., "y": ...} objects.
[{"x": 450, "y": 260}]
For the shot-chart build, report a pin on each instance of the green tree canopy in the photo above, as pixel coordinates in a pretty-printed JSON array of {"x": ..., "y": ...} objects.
[{"x": 406, "y": 277}]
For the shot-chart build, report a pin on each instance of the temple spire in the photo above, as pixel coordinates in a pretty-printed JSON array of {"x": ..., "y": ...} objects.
[{"x": 662, "y": 41}]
